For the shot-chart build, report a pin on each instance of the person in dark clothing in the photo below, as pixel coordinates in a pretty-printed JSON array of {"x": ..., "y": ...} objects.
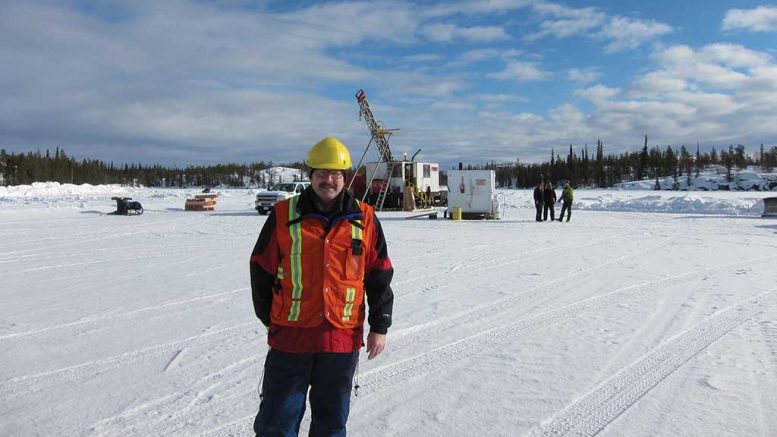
[
  {"x": 566, "y": 196},
  {"x": 549, "y": 196},
  {"x": 538, "y": 199}
]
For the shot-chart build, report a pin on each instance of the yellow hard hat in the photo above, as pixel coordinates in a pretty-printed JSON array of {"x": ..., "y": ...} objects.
[{"x": 329, "y": 153}]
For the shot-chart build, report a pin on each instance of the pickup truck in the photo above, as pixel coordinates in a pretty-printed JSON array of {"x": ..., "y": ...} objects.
[{"x": 266, "y": 199}]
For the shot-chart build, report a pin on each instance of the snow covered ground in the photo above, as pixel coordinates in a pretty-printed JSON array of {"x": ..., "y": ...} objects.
[{"x": 650, "y": 313}]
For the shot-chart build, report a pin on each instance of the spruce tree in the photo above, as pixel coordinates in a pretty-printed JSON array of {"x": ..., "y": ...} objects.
[{"x": 642, "y": 161}]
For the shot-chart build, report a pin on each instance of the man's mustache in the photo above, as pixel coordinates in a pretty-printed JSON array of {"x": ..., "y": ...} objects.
[{"x": 326, "y": 185}]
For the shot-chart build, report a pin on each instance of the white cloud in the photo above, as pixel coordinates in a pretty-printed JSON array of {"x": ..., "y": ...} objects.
[
  {"x": 716, "y": 65},
  {"x": 708, "y": 104},
  {"x": 656, "y": 83},
  {"x": 452, "y": 105},
  {"x": 499, "y": 98},
  {"x": 565, "y": 21},
  {"x": 521, "y": 71},
  {"x": 734, "y": 55},
  {"x": 466, "y": 7},
  {"x": 678, "y": 100},
  {"x": 423, "y": 57},
  {"x": 483, "y": 33},
  {"x": 197, "y": 82},
  {"x": 189, "y": 78},
  {"x": 449, "y": 32},
  {"x": 479, "y": 55},
  {"x": 583, "y": 75},
  {"x": 760, "y": 19},
  {"x": 597, "y": 93},
  {"x": 627, "y": 33},
  {"x": 621, "y": 32},
  {"x": 348, "y": 23}
]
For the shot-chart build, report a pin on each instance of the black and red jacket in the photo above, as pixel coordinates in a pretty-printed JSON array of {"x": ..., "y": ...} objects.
[{"x": 278, "y": 306}]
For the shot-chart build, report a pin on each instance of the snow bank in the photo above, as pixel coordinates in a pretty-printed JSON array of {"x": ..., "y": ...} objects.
[
  {"x": 683, "y": 204},
  {"x": 46, "y": 194},
  {"x": 42, "y": 190},
  {"x": 709, "y": 180}
]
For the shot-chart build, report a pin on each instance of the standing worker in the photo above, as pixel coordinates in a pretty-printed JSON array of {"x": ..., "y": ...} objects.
[
  {"x": 549, "y": 196},
  {"x": 538, "y": 198},
  {"x": 317, "y": 256},
  {"x": 408, "y": 197},
  {"x": 566, "y": 197}
]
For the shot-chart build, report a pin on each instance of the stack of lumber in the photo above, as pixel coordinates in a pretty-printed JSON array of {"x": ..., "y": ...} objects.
[{"x": 201, "y": 202}]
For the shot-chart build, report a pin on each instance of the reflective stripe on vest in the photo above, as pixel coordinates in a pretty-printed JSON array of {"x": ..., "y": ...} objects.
[
  {"x": 357, "y": 230},
  {"x": 295, "y": 230},
  {"x": 357, "y": 235},
  {"x": 350, "y": 295}
]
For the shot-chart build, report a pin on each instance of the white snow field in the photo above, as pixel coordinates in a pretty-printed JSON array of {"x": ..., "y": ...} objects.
[{"x": 648, "y": 314}]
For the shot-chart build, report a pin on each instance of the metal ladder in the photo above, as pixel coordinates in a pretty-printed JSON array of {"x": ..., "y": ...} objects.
[{"x": 381, "y": 137}]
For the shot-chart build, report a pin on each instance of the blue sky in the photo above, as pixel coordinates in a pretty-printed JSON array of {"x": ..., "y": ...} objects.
[{"x": 189, "y": 82}]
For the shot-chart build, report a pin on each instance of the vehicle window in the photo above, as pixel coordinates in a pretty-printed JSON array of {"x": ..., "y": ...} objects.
[
  {"x": 283, "y": 187},
  {"x": 427, "y": 171}
]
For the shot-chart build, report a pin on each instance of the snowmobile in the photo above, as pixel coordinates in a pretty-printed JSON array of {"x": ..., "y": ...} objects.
[{"x": 127, "y": 206}]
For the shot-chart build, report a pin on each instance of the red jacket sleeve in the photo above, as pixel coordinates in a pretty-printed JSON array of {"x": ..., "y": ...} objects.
[
  {"x": 264, "y": 265},
  {"x": 377, "y": 282}
]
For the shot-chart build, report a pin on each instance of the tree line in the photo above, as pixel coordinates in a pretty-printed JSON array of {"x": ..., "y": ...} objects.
[
  {"x": 583, "y": 169},
  {"x": 579, "y": 167},
  {"x": 26, "y": 168}
]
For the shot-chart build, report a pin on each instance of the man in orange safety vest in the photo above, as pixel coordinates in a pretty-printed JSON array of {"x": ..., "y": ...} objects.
[{"x": 320, "y": 261}]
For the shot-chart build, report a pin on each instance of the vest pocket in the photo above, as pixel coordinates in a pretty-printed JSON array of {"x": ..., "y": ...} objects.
[
  {"x": 278, "y": 301},
  {"x": 353, "y": 265}
]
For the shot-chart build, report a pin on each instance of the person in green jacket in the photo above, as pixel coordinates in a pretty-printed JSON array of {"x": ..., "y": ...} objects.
[{"x": 566, "y": 196}]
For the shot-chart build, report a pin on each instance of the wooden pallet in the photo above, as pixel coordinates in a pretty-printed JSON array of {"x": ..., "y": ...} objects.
[{"x": 201, "y": 203}]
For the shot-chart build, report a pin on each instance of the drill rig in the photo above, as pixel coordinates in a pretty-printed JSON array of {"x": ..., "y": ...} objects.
[{"x": 387, "y": 178}]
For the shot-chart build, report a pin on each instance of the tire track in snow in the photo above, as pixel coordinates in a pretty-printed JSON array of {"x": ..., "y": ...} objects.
[
  {"x": 83, "y": 264},
  {"x": 400, "y": 372},
  {"x": 506, "y": 304},
  {"x": 600, "y": 406},
  {"x": 476, "y": 343},
  {"x": 488, "y": 248},
  {"x": 488, "y": 264},
  {"x": 39, "y": 381},
  {"x": 82, "y": 289},
  {"x": 374, "y": 380},
  {"x": 202, "y": 398},
  {"x": 78, "y": 241}
]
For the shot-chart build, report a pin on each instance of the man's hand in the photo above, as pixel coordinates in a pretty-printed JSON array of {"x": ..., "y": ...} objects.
[{"x": 375, "y": 344}]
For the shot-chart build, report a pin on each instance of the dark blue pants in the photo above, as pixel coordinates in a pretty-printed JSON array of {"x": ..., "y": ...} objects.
[
  {"x": 549, "y": 207},
  {"x": 286, "y": 380},
  {"x": 565, "y": 207}
]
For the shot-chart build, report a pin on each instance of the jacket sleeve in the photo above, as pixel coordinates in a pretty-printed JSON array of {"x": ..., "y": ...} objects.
[
  {"x": 377, "y": 283},
  {"x": 263, "y": 265}
]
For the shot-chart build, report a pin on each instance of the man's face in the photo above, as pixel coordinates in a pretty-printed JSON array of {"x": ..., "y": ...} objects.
[{"x": 327, "y": 184}]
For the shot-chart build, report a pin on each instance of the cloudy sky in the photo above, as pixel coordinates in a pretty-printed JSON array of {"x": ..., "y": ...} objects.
[{"x": 188, "y": 82}]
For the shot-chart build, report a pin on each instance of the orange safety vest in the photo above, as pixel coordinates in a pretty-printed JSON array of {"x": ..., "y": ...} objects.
[{"x": 321, "y": 274}]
